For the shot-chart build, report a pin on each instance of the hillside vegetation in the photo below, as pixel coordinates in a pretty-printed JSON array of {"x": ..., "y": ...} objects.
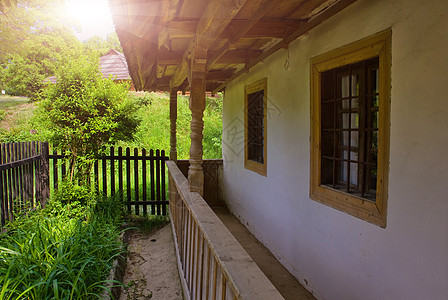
[{"x": 18, "y": 124}]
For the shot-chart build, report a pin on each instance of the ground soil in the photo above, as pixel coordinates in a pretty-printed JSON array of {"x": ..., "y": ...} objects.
[{"x": 151, "y": 271}]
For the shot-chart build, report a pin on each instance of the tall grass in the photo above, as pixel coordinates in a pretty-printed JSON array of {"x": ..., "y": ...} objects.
[
  {"x": 154, "y": 131},
  {"x": 60, "y": 252}
]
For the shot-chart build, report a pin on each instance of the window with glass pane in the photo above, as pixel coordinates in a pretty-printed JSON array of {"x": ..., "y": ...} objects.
[
  {"x": 349, "y": 130},
  {"x": 255, "y": 123},
  {"x": 255, "y": 117}
]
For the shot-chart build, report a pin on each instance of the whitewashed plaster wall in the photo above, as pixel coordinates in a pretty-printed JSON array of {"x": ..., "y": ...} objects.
[{"x": 333, "y": 254}]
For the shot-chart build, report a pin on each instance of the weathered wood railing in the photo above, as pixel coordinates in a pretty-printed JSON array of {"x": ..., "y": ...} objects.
[
  {"x": 212, "y": 264},
  {"x": 23, "y": 178}
]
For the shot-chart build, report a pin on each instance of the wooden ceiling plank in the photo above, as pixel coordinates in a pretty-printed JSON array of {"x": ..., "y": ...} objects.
[
  {"x": 263, "y": 28},
  {"x": 166, "y": 58},
  {"x": 208, "y": 31},
  {"x": 260, "y": 13},
  {"x": 325, "y": 15},
  {"x": 169, "y": 10},
  {"x": 181, "y": 29}
]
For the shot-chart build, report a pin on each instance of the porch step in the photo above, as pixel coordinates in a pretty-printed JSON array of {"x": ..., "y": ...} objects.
[{"x": 285, "y": 283}]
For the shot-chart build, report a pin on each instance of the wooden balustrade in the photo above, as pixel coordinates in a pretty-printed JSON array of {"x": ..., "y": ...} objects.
[{"x": 212, "y": 264}]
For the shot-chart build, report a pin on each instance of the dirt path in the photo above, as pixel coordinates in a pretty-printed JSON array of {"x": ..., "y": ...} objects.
[{"x": 152, "y": 267}]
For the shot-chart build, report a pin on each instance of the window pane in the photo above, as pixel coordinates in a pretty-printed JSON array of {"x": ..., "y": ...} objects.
[
  {"x": 255, "y": 130},
  {"x": 354, "y": 113},
  {"x": 354, "y": 139}
]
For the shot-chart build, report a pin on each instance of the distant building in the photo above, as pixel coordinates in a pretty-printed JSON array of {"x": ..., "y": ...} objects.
[{"x": 114, "y": 64}]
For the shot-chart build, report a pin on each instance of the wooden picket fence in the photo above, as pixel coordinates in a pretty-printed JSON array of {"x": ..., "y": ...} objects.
[
  {"x": 27, "y": 169},
  {"x": 23, "y": 178},
  {"x": 137, "y": 177}
]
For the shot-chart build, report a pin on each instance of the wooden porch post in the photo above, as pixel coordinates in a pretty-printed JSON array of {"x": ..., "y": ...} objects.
[
  {"x": 173, "y": 119},
  {"x": 197, "y": 106}
]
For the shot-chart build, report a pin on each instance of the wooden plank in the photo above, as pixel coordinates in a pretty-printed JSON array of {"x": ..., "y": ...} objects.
[
  {"x": 201, "y": 279},
  {"x": 120, "y": 172},
  {"x": 144, "y": 185},
  {"x": 2, "y": 192},
  {"x": 306, "y": 27},
  {"x": 112, "y": 171},
  {"x": 96, "y": 173},
  {"x": 158, "y": 181},
  {"x": 19, "y": 183},
  {"x": 44, "y": 174},
  {"x": 136, "y": 191},
  {"x": 37, "y": 151},
  {"x": 163, "y": 183},
  {"x": 29, "y": 178},
  {"x": 64, "y": 168},
  {"x": 229, "y": 259},
  {"x": 14, "y": 165},
  {"x": 167, "y": 58},
  {"x": 128, "y": 178},
  {"x": 243, "y": 29},
  {"x": 198, "y": 263},
  {"x": 152, "y": 175},
  {"x": 271, "y": 28},
  {"x": 9, "y": 184},
  {"x": 207, "y": 32},
  {"x": 15, "y": 185},
  {"x": 104, "y": 175},
  {"x": 55, "y": 169}
]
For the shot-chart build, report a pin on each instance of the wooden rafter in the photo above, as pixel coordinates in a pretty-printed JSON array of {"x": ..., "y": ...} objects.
[
  {"x": 208, "y": 31},
  {"x": 328, "y": 13},
  {"x": 159, "y": 38}
]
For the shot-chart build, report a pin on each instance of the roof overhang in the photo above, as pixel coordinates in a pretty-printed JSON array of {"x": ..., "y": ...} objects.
[{"x": 159, "y": 37}]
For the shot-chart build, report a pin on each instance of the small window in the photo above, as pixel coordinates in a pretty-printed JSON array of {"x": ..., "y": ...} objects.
[
  {"x": 350, "y": 128},
  {"x": 255, "y": 127}
]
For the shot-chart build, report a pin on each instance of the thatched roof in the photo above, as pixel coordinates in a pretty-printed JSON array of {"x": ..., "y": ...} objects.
[{"x": 160, "y": 39}]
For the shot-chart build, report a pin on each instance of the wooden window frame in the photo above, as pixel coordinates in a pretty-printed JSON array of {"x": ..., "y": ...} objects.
[
  {"x": 378, "y": 45},
  {"x": 260, "y": 168}
]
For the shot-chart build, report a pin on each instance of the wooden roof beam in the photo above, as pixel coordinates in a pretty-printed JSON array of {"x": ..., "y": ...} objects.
[
  {"x": 167, "y": 58},
  {"x": 207, "y": 32},
  {"x": 259, "y": 13},
  {"x": 262, "y": 29},
  {"x": 325, "y": 15}
]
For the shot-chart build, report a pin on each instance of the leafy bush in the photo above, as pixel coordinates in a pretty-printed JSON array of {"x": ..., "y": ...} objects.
[
  {"x": 83, "y": 113},
  {"x": 69, "y": 192}
]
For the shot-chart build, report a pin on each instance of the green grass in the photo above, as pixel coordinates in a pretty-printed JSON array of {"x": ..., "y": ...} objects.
[
  {"x": 60, "y": 252},
  {"x": 7, "y": 102},
  {"x": 154, "y": 132}
]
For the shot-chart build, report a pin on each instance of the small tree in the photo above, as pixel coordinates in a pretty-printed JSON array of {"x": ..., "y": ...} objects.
[{"x": 84, "y": 113}]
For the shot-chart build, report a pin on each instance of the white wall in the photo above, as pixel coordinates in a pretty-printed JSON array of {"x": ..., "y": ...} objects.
[{"x": 335, "y": 255}]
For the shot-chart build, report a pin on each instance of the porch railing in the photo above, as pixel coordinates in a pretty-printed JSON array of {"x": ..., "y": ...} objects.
[{"x": 212, "y": 264}]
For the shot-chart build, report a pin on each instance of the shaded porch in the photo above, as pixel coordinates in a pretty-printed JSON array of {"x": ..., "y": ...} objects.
[{"x": 218, "y": 258}]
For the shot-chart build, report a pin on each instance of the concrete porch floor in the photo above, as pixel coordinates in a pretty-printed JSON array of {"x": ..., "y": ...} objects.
[{"x": 285, "y": 283}]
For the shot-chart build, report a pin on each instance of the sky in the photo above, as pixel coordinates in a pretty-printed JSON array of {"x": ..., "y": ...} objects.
[{"x": 93, "y": 16}]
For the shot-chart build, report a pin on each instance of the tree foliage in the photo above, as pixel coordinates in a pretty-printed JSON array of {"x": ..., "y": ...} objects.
[
  {"x": 101, "y": 46},
  {"x": 84, "y": 113},
  {"x": 33, "y": 42}
]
